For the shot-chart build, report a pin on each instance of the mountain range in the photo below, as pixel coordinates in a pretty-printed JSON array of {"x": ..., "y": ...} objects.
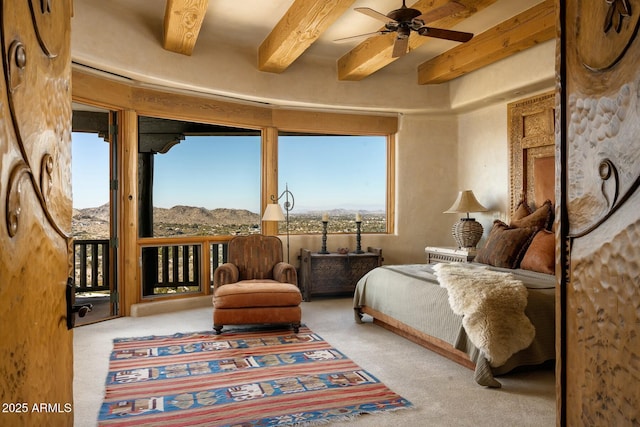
[{"x": 93, "y": 223}]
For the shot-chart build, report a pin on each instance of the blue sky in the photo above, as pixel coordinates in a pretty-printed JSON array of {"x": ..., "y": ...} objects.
[
  {"x": 334, "y": 172},
  {"x": 89, "y": 170},
  {"x": 322, "y": 172}
]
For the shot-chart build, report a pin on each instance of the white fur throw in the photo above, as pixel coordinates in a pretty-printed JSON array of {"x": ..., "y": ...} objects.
[{"x": 492, "y": 304}]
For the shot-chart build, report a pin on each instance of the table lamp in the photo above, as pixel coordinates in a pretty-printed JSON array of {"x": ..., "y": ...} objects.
[{"x": 467, "y": 231}]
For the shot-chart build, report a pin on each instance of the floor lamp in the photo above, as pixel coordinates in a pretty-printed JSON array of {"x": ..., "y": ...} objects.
[{"x": 274, "y": 212}]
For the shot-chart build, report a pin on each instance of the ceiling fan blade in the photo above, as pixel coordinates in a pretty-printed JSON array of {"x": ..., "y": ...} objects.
[
  {"x": 440, "y": 33},
  {"x": 374, "y": 14},
  {"x": 441, "y": 12},
  {"x": 400, "y": 47},
  {"x": 359, "y": 36}
]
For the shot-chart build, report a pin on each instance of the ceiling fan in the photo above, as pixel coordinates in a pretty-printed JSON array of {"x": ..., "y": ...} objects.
[{"x": 404, "y": 20}]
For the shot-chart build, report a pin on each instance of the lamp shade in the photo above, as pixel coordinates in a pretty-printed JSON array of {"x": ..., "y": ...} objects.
[
  {"x": 465, "y": 203},
  {"x": 273, "y": 213}
]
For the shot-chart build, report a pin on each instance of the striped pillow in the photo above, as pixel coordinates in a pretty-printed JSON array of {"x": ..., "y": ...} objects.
[{"x": 505, "y": 245}]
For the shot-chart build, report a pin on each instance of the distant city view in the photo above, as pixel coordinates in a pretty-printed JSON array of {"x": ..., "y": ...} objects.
[
  {"x": 210, "y": 185},
  {"x": 93, "y": 223}
]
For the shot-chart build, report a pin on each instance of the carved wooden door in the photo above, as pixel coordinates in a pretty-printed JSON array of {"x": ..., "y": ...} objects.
[
  {"x": 36, "y": 359},
  {"x": 600, "y": 176}
]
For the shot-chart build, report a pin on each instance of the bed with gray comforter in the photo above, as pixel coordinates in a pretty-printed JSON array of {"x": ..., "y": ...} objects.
[{"x": 413, "y": 297}]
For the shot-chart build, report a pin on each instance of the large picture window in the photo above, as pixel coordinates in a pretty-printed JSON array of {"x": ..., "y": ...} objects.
[
  {"x": 170, "y": 165},
  {"x": 335, "y": 176},
  {"x": 198, "y": 179},
  {"x": 193, "y": 180}
]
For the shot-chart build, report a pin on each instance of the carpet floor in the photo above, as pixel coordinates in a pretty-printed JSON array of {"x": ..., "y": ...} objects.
[{"x": 442, "y": 392}]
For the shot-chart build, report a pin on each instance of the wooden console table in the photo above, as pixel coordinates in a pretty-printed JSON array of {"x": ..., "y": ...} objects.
[{"x": 334, "y": 273}]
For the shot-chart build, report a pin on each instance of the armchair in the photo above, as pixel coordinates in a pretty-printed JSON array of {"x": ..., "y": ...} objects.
[{"x": 255, "y": 286}]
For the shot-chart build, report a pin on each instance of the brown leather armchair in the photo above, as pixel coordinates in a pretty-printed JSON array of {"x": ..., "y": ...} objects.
[{"x": 255, "y": 286}]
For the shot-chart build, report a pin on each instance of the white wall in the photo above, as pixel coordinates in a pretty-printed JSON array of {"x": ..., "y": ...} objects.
[
  {"x": 483, "y": 161},
  {"x": 427, "y": 163},
  {"x": 510, "y": 79}
]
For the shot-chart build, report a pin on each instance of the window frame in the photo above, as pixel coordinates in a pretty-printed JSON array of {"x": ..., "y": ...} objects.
[
  {"x": 389, "y": 171},
  {"x": 259, "y": 135}
]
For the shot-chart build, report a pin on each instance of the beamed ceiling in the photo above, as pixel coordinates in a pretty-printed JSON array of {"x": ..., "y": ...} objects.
[{"x": 304, "y": 25}]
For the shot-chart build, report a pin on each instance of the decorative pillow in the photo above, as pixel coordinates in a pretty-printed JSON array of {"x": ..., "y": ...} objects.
[
  {"x": 505, "y": 245},
  {"x": 522, "y": 210},
  {"x": 541, "y": 255},
  {"x": 541, "y": 217}
]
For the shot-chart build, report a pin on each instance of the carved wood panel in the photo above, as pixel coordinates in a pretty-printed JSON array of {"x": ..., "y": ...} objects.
[
  {"x": 601, "y": 219},
  {"x": 36, "y": 359},
  {"x": 532, "y": 150}
]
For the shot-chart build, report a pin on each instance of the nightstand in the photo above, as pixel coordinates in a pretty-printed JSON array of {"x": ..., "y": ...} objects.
[{"x": 449, "y": 254}]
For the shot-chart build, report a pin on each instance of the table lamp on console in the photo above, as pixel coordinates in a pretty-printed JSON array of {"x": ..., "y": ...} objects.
[{"x": 467, "y": 231}]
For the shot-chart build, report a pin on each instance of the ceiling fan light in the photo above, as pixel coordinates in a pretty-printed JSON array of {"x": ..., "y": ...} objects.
[
  {"x": 392, "y": 26},
  {"x": 403, "y": 33},
  {"x": 416, "y": 24}
]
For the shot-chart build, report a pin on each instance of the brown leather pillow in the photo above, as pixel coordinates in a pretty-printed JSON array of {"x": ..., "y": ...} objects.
[
  {"x": 541, "y": 217},
  {"x": 541, "y": 255},
  {"x": 505, "y": 245}
]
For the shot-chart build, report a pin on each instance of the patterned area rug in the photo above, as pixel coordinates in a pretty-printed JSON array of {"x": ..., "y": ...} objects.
[{"x": 241, "y": 378}]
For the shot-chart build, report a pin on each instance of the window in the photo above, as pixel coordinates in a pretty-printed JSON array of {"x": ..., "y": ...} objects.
[
  {"x": 336, "y": 175},
  {"x": 198, "y": 179},
  {"x": 193, "y": 180},
  {"x": 93, "y": 227},
  {"x": 90, "y": 184},
  {"x": 195, "y": 256}
]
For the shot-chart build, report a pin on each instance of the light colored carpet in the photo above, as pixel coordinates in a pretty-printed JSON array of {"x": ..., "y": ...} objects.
[{"x": 443, "y": 393}]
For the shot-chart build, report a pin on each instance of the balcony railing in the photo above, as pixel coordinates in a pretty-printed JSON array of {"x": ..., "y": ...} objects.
[
  {"x": 169, "y": 265},
  {"x": 91, "y": 265},
  {"x": 177, "y": 265}
]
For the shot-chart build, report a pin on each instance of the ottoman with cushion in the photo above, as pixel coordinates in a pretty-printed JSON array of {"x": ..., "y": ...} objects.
[{"x": 255, "y": 286}]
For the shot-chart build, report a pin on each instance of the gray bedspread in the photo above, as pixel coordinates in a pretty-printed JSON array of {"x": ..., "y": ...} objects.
[{"x": 411, "y": 294}]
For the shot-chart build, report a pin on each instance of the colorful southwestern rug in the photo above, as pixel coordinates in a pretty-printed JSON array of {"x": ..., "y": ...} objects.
[{"x": 239, "y": 378}]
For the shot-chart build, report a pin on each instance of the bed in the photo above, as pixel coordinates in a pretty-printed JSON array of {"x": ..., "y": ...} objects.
[
  {"x": 410, "y": 301},
  {"x": 513, "y": 279}
]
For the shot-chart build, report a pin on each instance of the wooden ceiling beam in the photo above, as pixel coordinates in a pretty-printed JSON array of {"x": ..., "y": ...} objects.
[
  {"x": 534, "y": 26},
  {"x": 375, "y": 52},
  {"x": 182, "y": 22},
  {"x": 303, "y": 23}
]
